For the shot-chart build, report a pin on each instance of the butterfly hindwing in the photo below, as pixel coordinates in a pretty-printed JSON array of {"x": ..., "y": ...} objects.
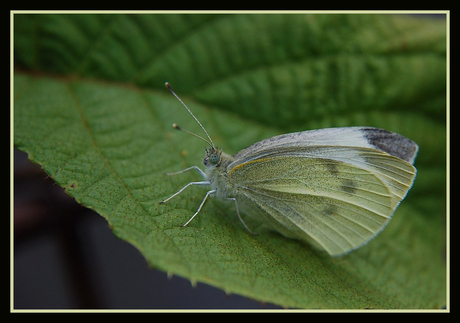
[{"x": 336, "y": 198}]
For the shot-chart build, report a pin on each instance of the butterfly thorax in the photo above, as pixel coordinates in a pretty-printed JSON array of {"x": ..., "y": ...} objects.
[{"x": 216, "y": 162}]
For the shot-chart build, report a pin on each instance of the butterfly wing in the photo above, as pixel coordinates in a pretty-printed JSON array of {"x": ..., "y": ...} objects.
[
  {"x": 334, "y": 197},
  {"x": 364, "y": 137}
]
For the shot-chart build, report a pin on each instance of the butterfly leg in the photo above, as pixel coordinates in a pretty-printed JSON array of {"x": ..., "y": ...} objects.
[
  {"x": 201, "y": 205},
  {"x": 239, "y": 216},
  {"x": 183, "y": 188},
  {"x": 187, "y": 169}
]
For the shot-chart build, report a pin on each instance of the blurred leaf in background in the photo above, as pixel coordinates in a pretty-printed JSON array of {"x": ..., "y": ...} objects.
[{"x": 90, "y": 107}]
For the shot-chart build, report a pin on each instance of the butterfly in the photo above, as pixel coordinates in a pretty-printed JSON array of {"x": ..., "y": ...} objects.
[{"x": 334, "y": 188}]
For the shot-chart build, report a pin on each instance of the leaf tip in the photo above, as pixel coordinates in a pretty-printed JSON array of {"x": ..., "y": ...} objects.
[{"x": 193, "y": 282}]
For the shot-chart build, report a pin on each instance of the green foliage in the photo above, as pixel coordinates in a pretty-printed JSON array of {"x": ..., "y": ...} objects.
[{"x": 91, "y": 108}]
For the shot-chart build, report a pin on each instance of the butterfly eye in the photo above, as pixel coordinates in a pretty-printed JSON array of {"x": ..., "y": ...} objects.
[
  {"x": 211, "y": 159},
  {"x": 214, "y": 159}
]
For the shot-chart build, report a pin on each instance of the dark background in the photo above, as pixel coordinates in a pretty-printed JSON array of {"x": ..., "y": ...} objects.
[{"x": 66, "y": 257}]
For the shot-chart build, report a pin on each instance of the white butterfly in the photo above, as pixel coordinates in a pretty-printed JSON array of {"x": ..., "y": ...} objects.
[{"x": 335, "y": 188}]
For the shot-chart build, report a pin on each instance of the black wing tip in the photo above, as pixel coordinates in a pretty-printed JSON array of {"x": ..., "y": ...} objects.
[{"x": 392, "y": 143}]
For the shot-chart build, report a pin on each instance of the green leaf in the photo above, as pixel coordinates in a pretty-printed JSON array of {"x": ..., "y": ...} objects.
[{"x": 91, "y": 108}]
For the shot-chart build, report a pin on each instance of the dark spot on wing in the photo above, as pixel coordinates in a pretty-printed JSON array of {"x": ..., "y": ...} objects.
[
  {"x": 348, "y": 186},
  {"x": 332, "y": 167},
  {"x": 330, "y": 210}
]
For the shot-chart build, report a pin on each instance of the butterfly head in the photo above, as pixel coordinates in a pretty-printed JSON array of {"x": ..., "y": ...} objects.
[{"x": 213, "y": 156}]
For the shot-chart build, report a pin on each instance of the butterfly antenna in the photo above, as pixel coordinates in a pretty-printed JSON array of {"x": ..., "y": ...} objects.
[
  {"x": 176, "y": 126},
  {"x": 179, "y": 128}
]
